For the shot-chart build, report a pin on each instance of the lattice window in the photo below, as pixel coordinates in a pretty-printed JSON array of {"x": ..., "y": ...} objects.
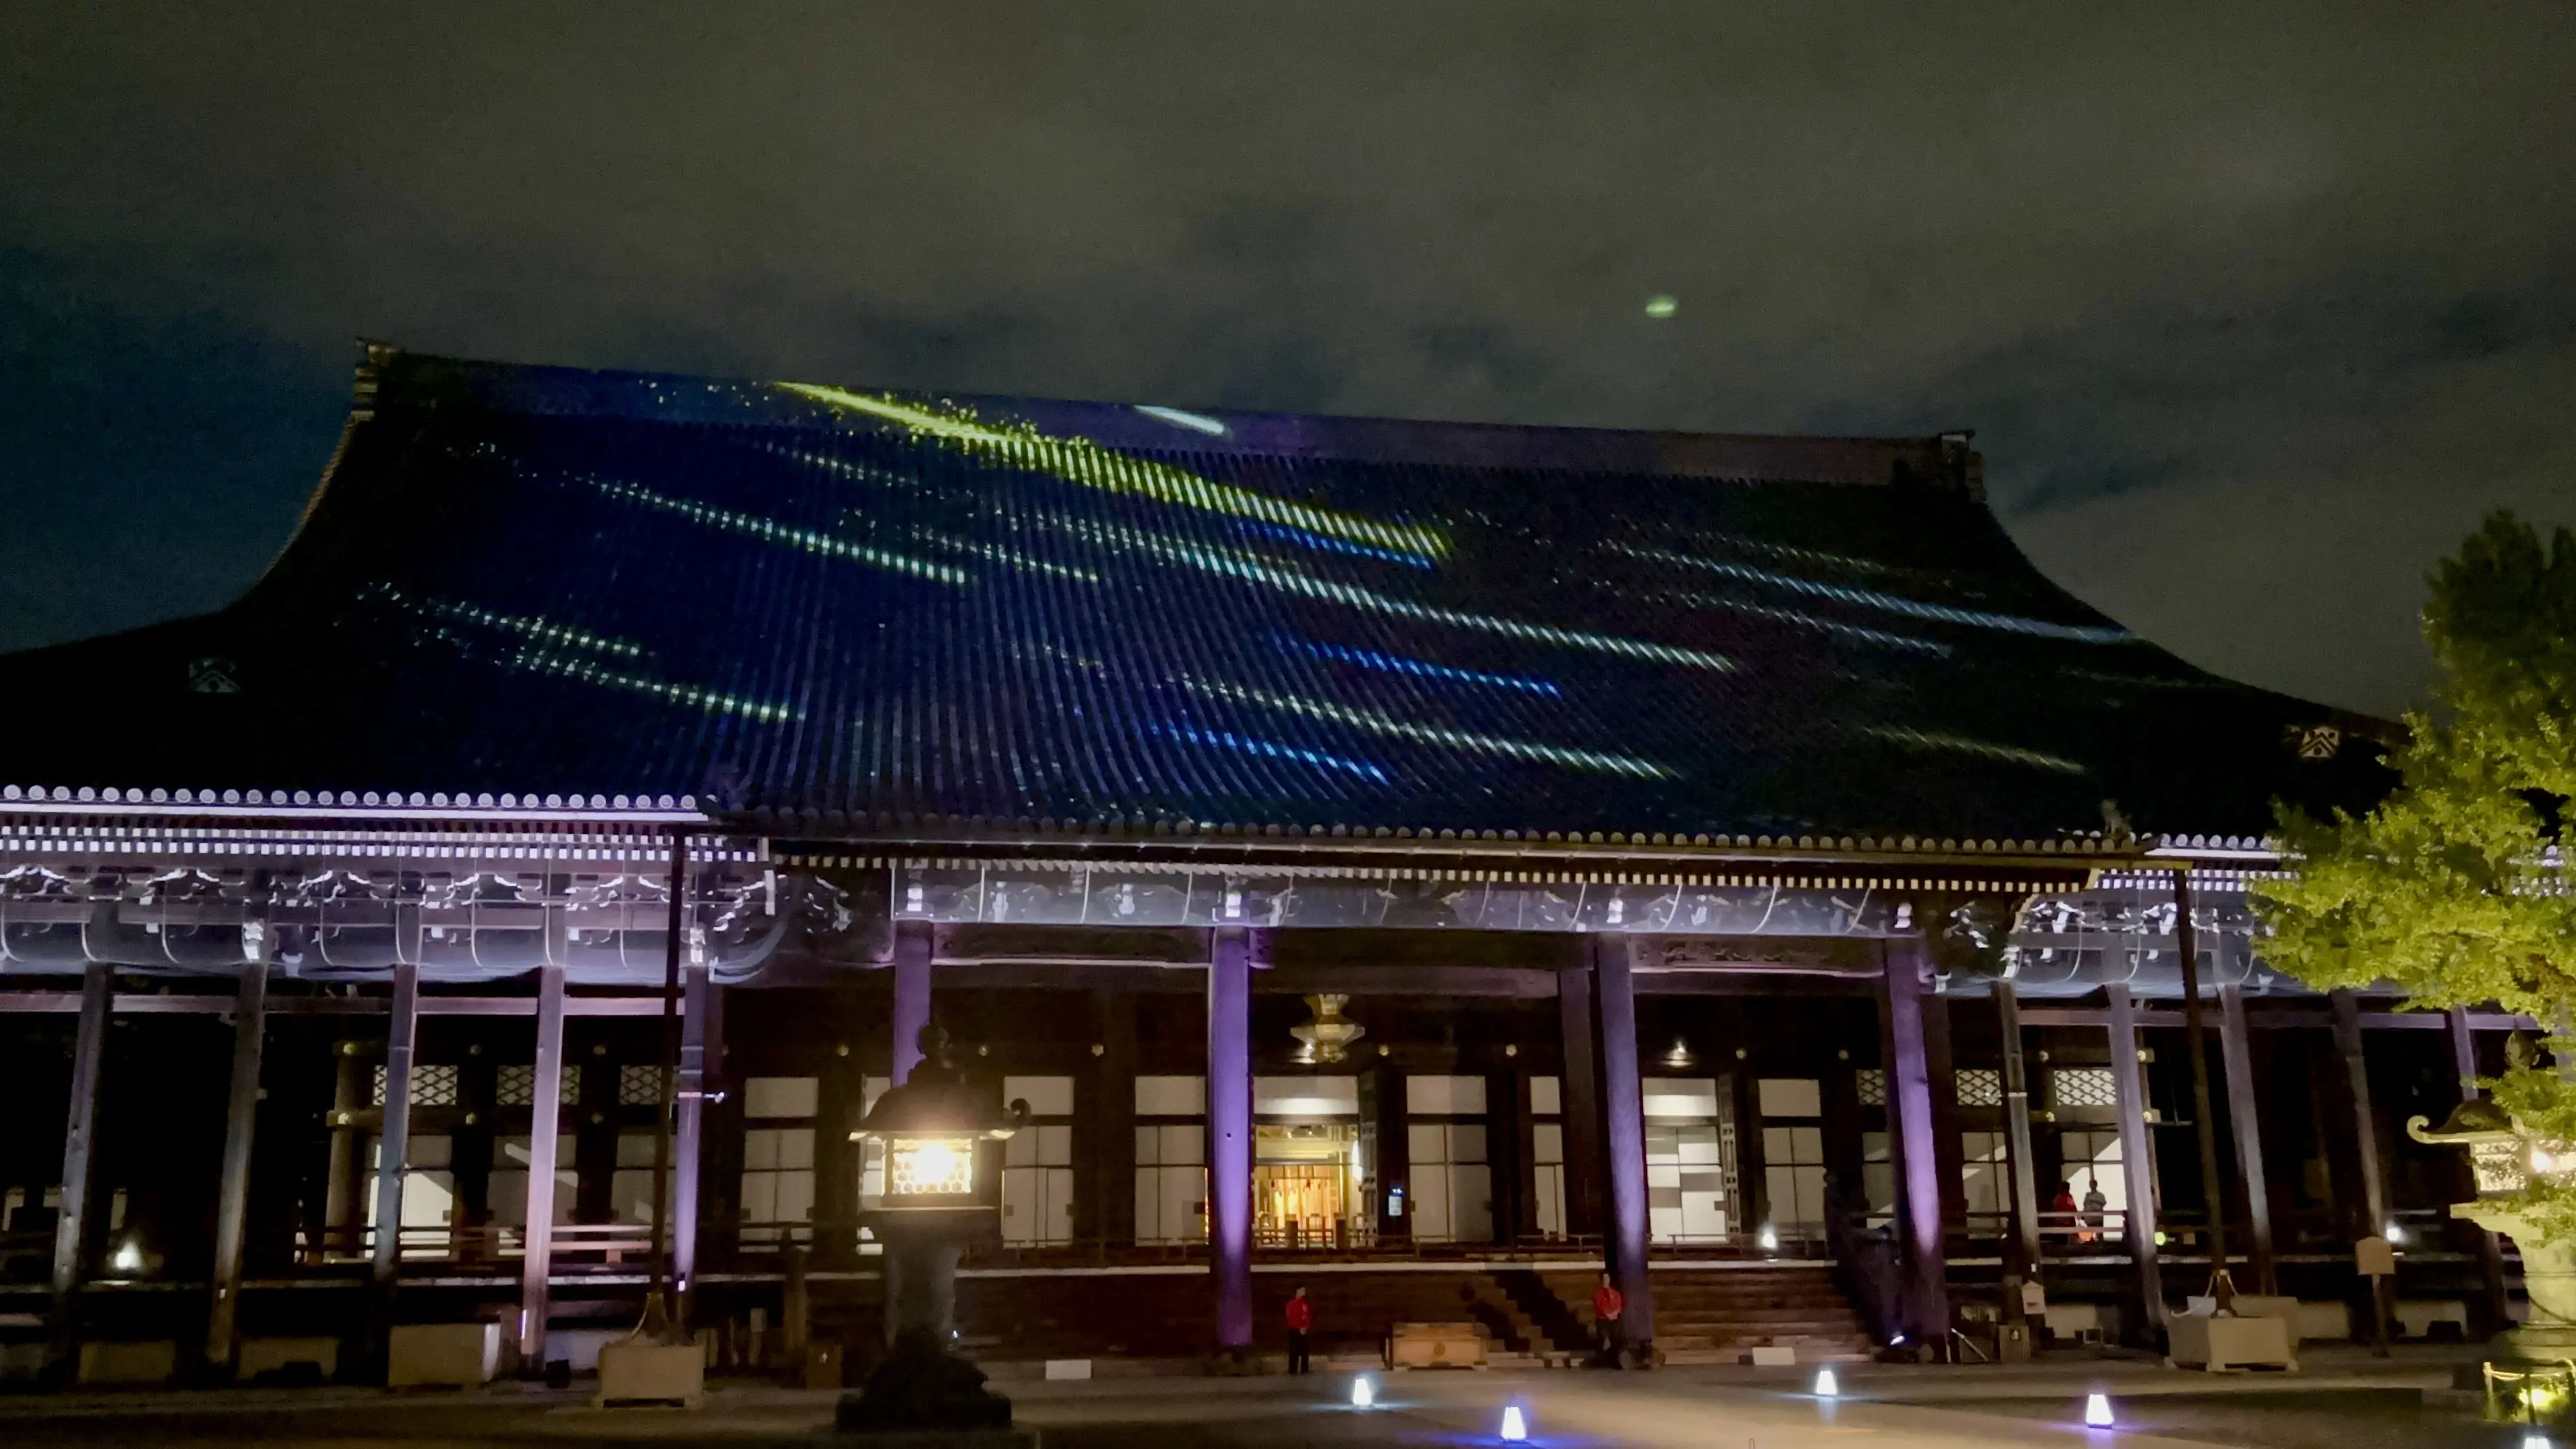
[
  {"x": 517, "y": 1086},
  {"x": 431, "y": 1086},
  {"x": 1872, "y": 1085},
  {"x": 639, "y": 1086},
  {"x": 2082, "y": 1087},
  {"x": 1980, "y": 1087}
]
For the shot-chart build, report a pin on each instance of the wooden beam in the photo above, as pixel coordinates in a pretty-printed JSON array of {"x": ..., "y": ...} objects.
[{"x": 211, "y": 1004}]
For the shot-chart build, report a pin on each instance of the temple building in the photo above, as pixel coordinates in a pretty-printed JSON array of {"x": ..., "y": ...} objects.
[{"x": 1431, "y": 864}]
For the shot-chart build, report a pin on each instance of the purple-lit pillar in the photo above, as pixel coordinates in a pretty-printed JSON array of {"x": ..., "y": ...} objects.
[
  {"x": 1229, "y": 1133},
  {"x": 911, "y": 995},
  {"x": 1926, "y": 1311},
  {"x": 1623, "y": 1112}
]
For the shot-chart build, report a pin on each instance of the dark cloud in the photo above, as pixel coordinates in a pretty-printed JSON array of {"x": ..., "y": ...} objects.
[{"x": 2255, "y": 308}]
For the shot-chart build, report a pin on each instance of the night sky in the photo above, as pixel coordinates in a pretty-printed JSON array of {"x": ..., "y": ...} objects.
[{"x": 2255, "y": 309}]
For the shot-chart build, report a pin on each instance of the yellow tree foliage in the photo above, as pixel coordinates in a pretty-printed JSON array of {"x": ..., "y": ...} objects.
[{"x": 2454, "y": 889}]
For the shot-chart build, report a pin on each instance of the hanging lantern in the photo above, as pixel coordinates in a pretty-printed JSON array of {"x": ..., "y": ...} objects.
[{"x": 1328, "y": 1037}]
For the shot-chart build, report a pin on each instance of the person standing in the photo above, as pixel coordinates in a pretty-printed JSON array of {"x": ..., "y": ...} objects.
[
  {"x": 1301, "y": 1320},
  {"x": 2062, "y": 1208},
  {"x": 2095, "y": 1209},
  {"x": 1607, "y": 1304}
]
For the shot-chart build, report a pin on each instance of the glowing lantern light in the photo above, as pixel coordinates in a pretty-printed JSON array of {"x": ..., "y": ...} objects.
[
  {"x": 2097, "y": 1412},
  {"x": 1363, "y": 1393},
  {"x": 1515, "y": 1426},
  {"x": 1826, "y": 1385}
]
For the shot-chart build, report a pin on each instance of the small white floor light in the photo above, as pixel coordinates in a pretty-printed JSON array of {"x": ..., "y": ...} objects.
[
  {"x": 1363, "y": 1393},
  {"x": 2097, "y": 1411},
  {"x": 2535, "y": 1441},
  {"x": 1826, "y": 1385},
  {"x": 1515, "y": 1427}
]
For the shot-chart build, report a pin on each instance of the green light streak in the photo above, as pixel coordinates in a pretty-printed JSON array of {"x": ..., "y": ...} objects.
[
  {"x": 1082, "y": 461},
  {"x": 995, "y": 553},
  {"x": 1382, "y": 724},
  {"x": 591, "y": 672},
  {"x": 1960, "y": 744},
  {"x": 1252, "y": 570},
  {"x": 770, "y": 530},
  {"x": 539, "y": 629}
]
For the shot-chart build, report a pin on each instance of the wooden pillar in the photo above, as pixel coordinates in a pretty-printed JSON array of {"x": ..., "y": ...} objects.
[
  {"x": 2373, "y": 1184},
  {"x": 2137, "y": 1167},
  {"x": 1623, "y": 1122},
  {"x": 1229, "y": 1134},
  {"x": 912, "y": 943},
  {"x": 2236, "y": 1052},
  {"x": 232, "y": 1193},
  {"x": 1507, "y": 1160},
  {"x": 1106, "y": 1205},
  {"x": 689, "y": 1113},
  {"x": 344, "y": 1187},
  {"x": 1941, "y": 1069},
  {"x": 80, "y": 1141},
  {"x": 2495, "y": 1313},
  {"x": 545, "y": 1134},
  {"x": 2204, "y": 1114},
  {"x": 666, "y": 1072},
  {"x": 2017, "y": 1143},
  {"x": 1579, "y": 1099},
  {"x": 840, "y": 1104},
  {"x": 1389, "y": 1107},
  {"x": 1910, "y": 1121},
  {"x": 393, "y": 1146}
]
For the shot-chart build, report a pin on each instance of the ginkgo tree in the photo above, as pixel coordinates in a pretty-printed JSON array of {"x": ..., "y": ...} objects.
[{"x": 2454, "y": 889}]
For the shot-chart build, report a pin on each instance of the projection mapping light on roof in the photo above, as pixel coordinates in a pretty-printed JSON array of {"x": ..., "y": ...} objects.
[{"x": 829, "y": 603}]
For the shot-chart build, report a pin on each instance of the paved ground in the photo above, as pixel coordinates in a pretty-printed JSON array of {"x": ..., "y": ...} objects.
[{"x": 2335, "y": 1405}]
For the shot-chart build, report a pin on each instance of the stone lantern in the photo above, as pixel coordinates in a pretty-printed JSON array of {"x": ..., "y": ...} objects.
[
  {"x": 941, "y": 1139},
  {"x": 2507, "y": 1158}
]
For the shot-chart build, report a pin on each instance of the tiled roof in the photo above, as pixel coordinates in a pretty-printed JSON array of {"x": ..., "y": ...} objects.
[{"x": 837, "y": 610}]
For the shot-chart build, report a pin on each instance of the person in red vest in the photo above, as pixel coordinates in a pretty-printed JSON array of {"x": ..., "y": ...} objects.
[
  {"x": 1607, "y": 1304},
  {"x": 1301, "y": 1317}
]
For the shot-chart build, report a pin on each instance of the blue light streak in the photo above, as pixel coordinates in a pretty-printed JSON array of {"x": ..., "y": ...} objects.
[
  {"x": 1305, "y": 585},
  {"x": 1421, "y": 669},
  {"x": 1267, "y": 749},
  {"x": 1303, "y": 539},
  {"x": 1891, "y": 603}
]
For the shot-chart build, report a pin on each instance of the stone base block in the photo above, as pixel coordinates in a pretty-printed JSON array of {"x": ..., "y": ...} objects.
[
  {"x": 281, "y": 1356},
  {"x": 2196, "y": 1340},
  {"x": 652, "y": 1373},
  {"x": 1435, "y": 1345},
  {"x": 443, "y": 1355},
  {"x": 128, "y": 1364}
]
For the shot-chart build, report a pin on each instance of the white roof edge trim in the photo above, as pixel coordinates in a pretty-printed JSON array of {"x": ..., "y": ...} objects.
[
  {"x": 218, "y": 811},
  {"x": 2206, "y": 852}
]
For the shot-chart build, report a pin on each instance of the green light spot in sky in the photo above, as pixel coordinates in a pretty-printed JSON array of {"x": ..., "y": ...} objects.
[{"x": 1660, "y": 307}]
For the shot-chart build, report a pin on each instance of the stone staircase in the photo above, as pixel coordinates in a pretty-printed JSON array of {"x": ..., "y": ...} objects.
[
  {"x": 1528, "y": 1315},
  {"x": 1720, "y": 1315}
]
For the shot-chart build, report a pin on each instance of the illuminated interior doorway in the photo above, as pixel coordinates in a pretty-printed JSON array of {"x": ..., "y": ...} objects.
[{"x": 1308, "y": 1180}]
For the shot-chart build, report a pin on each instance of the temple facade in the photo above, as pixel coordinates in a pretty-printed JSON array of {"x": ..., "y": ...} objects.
[{"x": 1429, "y": 864}]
